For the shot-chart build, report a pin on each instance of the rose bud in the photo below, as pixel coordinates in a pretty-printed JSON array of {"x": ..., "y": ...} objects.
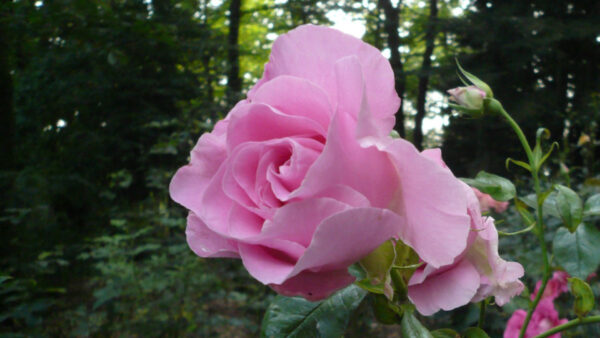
[{"x": 470, "y": 97}]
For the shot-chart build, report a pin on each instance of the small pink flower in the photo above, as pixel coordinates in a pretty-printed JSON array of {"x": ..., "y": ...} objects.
[
  {"x": 556, "y": 285},
  {"x": 543, "y": 319},
  {"x": 487, "y": 202},
  {"x": 479, "y": 272},
  {"x": 302, "y": 179}
]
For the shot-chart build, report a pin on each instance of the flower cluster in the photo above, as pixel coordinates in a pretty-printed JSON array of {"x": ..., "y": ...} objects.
[
  {"x": 545, "y": 315},
  {"x": 302, "y": 180}
]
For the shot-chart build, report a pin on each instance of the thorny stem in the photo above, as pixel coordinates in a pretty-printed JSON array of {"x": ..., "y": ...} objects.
[{"x": 540, "y": 221}]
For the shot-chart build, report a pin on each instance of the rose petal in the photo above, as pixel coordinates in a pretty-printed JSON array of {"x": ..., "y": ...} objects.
[
  {"x": 310, "y": 52},
  {"x": 352, "y": 99},
  {"x": 190, "y": 181},
  {"x": 242, "y": 223},
  {"x": 314, "y": 285},
  {"x": 434, "y": 204},
  {"x": 267, "y": 265},
  {"x": 214, "y": 206},
  {"x": 298, "y": 221},
  {"x": 436, "y": 155},
  {"x": 344, "y": 162},
  {"x": 205, "y": 242},
  {"x": 296, "y": 96},
  {"x": 346, "y": 237},
  {"x": 256, "y": 122},
  {"x": 447, "y": 290}
]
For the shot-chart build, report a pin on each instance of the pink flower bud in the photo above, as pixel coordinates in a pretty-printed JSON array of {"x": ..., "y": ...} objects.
[{"x": 470, "y": 97}]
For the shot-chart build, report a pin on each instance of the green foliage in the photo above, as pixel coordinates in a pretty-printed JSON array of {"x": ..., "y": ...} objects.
[
  {"x": 584, "y": 296},
  {"x": 445, "y": 333},
  {"x": 297, "y": 317},
  {"x": 498, "y": 187},
  {"x": 384, "y": 311},
  {"x": 578, "y": 253},
  {"x": 570, "y": 207},
  {"x": 475, "y": 332},
  {"x": 412, "y": 328},
  {"x": 592, "y": 206}
]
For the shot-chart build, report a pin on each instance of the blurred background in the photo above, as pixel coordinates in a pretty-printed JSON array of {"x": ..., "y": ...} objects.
[{"x": 101, "y": 101}]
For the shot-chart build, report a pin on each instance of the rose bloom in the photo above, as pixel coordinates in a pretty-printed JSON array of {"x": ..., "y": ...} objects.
[
  {"x": 556, "y": 285},
  {"x": 477, "y": 273},
  {"x": 487, "y": 203},
  {"x": 301, "y": 179},
  {"x": 543, "y": 319}
]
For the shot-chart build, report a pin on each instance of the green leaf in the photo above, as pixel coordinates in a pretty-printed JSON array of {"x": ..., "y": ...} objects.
[
  {"x": 592, "y": 206},
  {"x": 4, "y": 279},
  {"x": 377, "y": 263},
  {"x": 372, "y": 286},
  {"x": 537, "y": 155},
  {"x": 475, "y": 332},
  {"x": 519, "y": 163},
  {"x": 297, "y": 317},
  {"x": 476, "y": 81},
  {"x": 445, "y": 333},
  {"x": 569, "y": 206},
  {"x": 385, "y": 311},
  {"x": 584, "y": 297},
  {"x": 525, "y": 214},
  {"x": 549, "y": 207},
  {"x": 578, "y": 253},
  {"x": 412, "y": 328},
  {"x": 545, "y": 157},
  {"x": 498, "y": 187}
]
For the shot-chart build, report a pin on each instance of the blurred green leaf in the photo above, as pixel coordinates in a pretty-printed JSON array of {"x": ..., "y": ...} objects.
[
  {"x": 475, "y": 332},
  {"x": 298, "y": 317},
  {"x": 592, "y": 206},
  {"x": 584, "y": 296},
  {"x": 519, "y": 163},
  {"x": 500, "y": 188},
  {"x": 412, "y": 328},
  {"x": 445, "y": 333},
  {"x": 569, "y": 206},
  {"x": 549, "y": 207},
  {"x": 578, "y": 253},
  {"x": 385, "y": 311}
]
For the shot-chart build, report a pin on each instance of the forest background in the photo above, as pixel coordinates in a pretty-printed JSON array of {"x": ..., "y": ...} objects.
[{"x": 101, "y": 101}]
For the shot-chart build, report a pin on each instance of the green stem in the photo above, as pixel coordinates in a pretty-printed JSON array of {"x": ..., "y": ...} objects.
[
  {"x": 540, "y": 221},
  {"x": 570, "y": 324},
  {"x": 481, "y": 313}
]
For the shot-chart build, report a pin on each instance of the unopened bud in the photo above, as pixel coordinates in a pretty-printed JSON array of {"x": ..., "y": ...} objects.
[{"x": 470, "y": 97}]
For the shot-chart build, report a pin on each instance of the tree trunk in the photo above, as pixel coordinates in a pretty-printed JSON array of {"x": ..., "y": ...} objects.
[
  {"x": 207, "y": 54},
  {"x": 7, "y": 114},
  {"x": 234, "y": 82},
  {"x": 424, "y": 74},
  {"x": 392, "y": 22}
]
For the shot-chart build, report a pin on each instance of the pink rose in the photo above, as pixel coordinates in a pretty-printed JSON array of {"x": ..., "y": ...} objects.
[
  {"x": 476, "y": 274},
  {"x": 543, "y": 319},
  {"x": 301, "y": 179},
  {"x": 556, "y": 285},
  {"x": 486, "y": 202}
]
